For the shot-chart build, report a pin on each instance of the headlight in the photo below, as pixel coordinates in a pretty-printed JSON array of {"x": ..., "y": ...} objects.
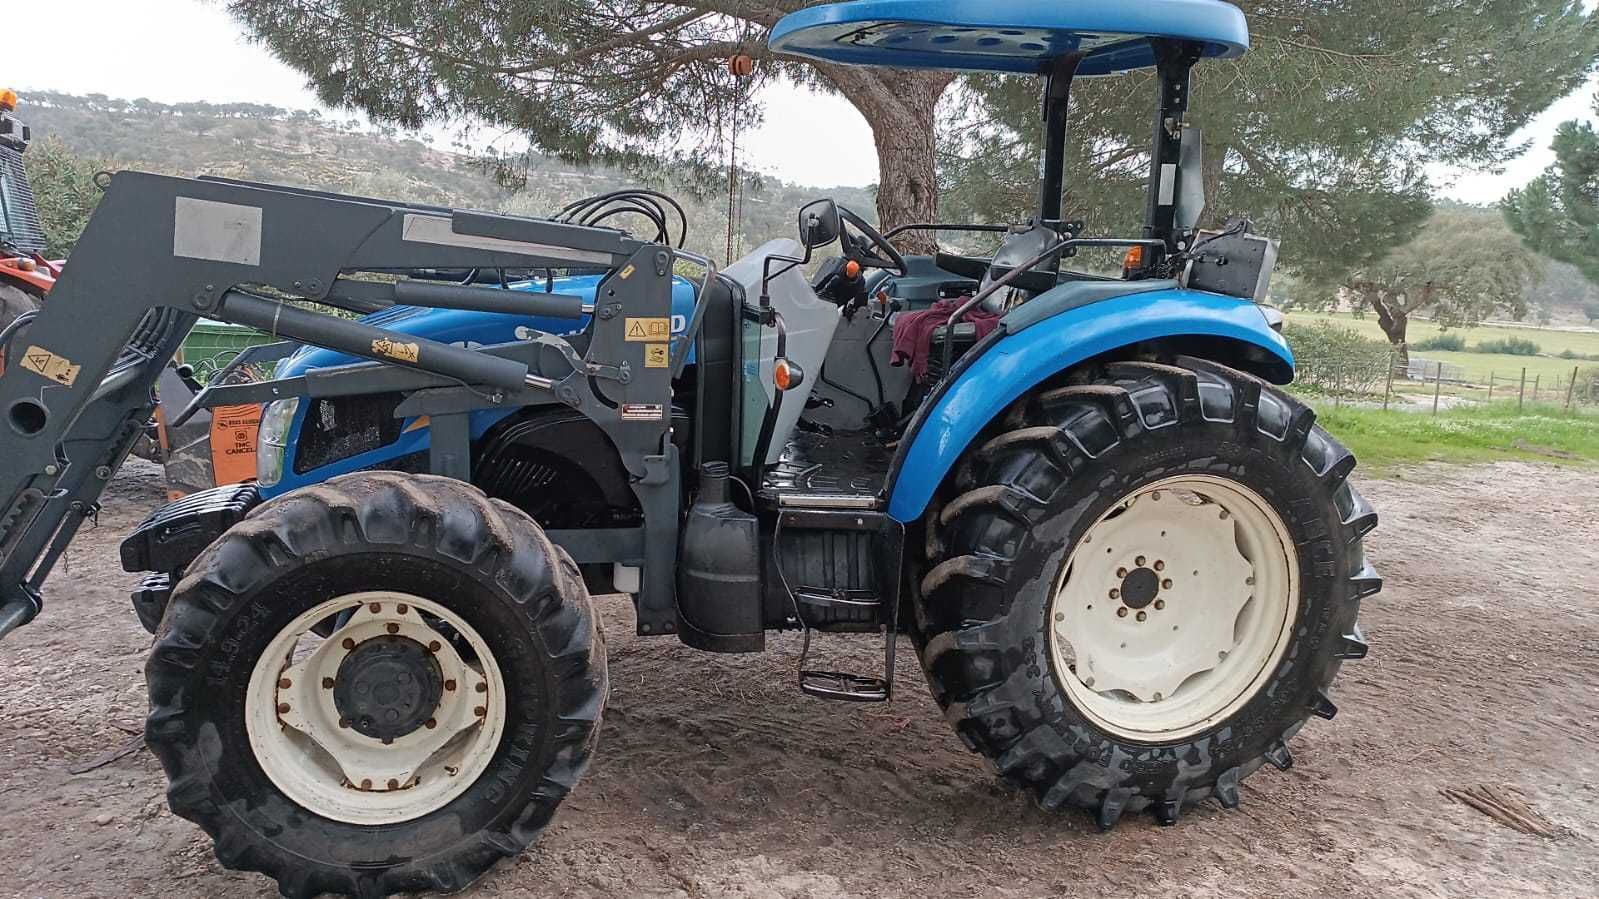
[{"x": 276, "y": 420}]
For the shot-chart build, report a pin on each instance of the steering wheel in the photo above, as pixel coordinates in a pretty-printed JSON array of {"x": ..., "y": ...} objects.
[{"x": 871, "y": 249}]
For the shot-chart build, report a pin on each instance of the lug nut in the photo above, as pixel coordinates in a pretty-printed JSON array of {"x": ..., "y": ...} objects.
[
  {"x": 481, "y": 712},
  {"x": 483, "y": 688},
  {"x": 1160, "y": 604},
  {"x": 430, "y": 723},
  {"x": 402, "y": 608},
  {"x": 344, "y": 722},
  {"x": 375, "y": 607},
  {"x": 392, "y": 628},
  {"x": 1159, "y": 697},
  {"x": 1115, "y": 593},
  {"x": 1225, "y": 515},
  {"x": 394, "y": 784},
  {"x": 327, "y": 683},
  {"x": 283, "y": 708},
  {"x": 285, "y": 683},
  {"x": 1166, "y": 584},
  {"x": 1121, "y": 612},
  {"x": 449, "y": 685},
  {"x": 348, "y": 643},
  {"x": 1250, "y": 580},
  {"x": 1155, "y": 495},
  {"x": 366, "y": 783},
  {"x": 1159, "y": 565},
  {"x": 434, "y": 646},
  {"x": 1121, "y": 572},
  {"x": 1143, "y": 616},
  {"x": 1139, "y": 561}
]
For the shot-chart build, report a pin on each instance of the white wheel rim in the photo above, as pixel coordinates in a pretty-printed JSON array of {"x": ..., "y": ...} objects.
[
  {"x": 331, "y": 769},
  {"x": 1171, "y": 664}
]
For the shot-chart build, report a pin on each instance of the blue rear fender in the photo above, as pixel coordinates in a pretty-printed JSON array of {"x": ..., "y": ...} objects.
[{"x": 1015, "y": 363}]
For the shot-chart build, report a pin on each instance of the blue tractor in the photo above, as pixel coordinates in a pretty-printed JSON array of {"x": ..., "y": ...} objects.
[{"x": 1131, "y": 566}]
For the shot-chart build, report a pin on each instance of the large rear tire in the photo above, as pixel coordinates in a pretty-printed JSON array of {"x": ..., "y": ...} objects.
[
  {"x": 14, "y": 303},
  {"x": 1143, "y": 585},
  {"x": 434, "y": 731}
]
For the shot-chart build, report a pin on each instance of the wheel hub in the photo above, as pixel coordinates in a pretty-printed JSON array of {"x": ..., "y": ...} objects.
[
  {"x": 1173, "y": 605},
  {"x": 1140, "y": 587},
  {"x": 388, "y": 687}
]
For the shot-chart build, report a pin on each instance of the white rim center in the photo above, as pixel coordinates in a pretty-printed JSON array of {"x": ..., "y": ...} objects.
[
  {"x": 321, "y": 762},
  {"x": 1174, "y": 607}
]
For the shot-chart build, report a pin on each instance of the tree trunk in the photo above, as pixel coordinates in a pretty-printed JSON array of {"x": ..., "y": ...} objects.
[
  {"x": 900, "y": 106},
  {"x": 1395, "y": 322}
]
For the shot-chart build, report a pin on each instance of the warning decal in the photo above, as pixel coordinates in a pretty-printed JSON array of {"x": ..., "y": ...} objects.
[
  {"x": 233, "y": 432},
  {"x": 656, "y": 355},
  {"x": 649, "y": 330},
  {"x": 643, "y": 412},
  {"x": 42, "y": 362},
  {"x": 401, "y": 352}
]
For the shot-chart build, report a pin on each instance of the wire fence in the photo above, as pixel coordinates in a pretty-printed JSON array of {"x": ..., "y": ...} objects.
[{"x": 1419, "y": 383}]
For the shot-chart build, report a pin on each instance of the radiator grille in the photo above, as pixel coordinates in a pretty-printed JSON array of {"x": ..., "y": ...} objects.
[{"x": 19, "y": 217}]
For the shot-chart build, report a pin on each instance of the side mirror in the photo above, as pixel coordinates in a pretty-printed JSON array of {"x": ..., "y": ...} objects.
[
  {"x": 819, "y": 224},
  {"x": 1191, "y": 196}
]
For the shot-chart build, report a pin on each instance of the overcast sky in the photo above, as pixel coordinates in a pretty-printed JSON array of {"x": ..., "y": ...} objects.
[{"x": 183, "y": 50}]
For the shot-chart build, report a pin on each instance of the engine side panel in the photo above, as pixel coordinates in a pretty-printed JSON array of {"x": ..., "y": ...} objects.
[{"x": 1016, "y": 363}]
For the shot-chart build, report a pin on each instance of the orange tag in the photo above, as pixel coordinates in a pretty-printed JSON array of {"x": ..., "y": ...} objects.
[{"x": 233, "y": 430}]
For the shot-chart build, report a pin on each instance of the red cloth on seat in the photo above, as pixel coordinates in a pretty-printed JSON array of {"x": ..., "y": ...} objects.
[{"x": 913, "y": 331}]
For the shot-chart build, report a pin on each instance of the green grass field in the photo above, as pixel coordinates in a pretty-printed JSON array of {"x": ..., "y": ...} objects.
[
  {"x": 1384, "y": 441},
  {"x": 1548, "y": 368}
]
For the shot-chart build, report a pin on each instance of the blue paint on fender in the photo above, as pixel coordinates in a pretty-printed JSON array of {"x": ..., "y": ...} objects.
[{"x": 1019, "y": 362}]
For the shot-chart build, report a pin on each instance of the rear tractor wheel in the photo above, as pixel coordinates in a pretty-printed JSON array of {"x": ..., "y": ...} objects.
[
  {"x": 382, "y": 684},
  {"x": 1143, "y": 587}
]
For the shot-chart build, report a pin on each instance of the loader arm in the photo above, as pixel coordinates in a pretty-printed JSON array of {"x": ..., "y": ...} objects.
[{"x": 162, "y": 252}]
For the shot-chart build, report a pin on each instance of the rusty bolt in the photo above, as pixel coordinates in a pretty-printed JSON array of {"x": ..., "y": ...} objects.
[
  {"x": 394, "y": 784},
  {"x": 1166, "y": 584},
  {"x": 1139, "y": 561},
  {"x": 366, "y": 783},
  {"x": 402, "y": 608},
  {"x": 434, "y": 646},
  {"x": 1121, "y": 572},
  {"x": 1159, "y": 565},
  {"x": 348, "y": 643},
  {"x": 284, "y": 683},
  {"x": 449, "y": 684},
  {"x": 1160, "y": 604},
  {"x": 327, "y": 683},
  {"x": 392, "y": 628},
  {"x": 483, "y": 688},
  {"x": 1143, "y": 616},
  {"x": 283, "y": 708},
  {"x": 375, "y": 607},
  {"x": 1121, "y": 612},
  {"x": 430, "y": 723},
  {"x": 481, "y": 711}
]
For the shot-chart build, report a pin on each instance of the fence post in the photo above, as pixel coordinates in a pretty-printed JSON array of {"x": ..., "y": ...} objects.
[
  {"x": 1437, "y": 386},
  {"x": 1338, "y": 385},
  {"x": 1388, "y": 390},
  {"x": 1490, "y": 387},
  {"x": 1521, "y": 398},
  {"x": 1535, "y": 379},
  {"x": 1571, "y": 390}
]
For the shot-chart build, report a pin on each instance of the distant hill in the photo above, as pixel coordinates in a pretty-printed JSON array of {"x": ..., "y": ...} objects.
[{"x": 303, "y": 148}]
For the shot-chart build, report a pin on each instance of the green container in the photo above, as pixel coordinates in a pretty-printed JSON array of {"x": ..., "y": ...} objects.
[{"x": 212, "y": 345}]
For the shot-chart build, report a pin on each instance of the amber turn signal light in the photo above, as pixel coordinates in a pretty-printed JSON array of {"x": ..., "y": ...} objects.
[
  {"x": 1134, "y": 260},
  {"x": 787, "y": 376}
]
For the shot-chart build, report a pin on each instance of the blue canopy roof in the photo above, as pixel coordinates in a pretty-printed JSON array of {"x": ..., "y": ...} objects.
[{"x": 1007, "y": 35}]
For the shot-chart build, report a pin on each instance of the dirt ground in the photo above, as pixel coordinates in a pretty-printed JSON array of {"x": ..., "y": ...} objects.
[{"x": 715, "y": 778}]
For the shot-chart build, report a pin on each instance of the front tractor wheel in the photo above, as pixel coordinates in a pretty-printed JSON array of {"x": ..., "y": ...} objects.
[
  {"x": 382, "y": 684},
  {"x": 1140, "y": 589}
]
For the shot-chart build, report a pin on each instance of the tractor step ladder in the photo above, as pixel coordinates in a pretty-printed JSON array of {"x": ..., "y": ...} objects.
[{"x": 879, "y": 603}]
